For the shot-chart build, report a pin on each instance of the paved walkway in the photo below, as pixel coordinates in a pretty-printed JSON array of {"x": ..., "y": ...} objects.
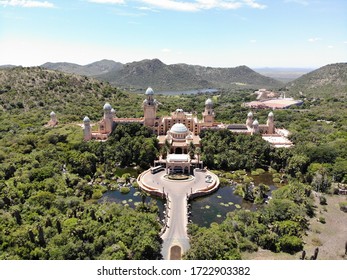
[{"x": 177, "y": 192}]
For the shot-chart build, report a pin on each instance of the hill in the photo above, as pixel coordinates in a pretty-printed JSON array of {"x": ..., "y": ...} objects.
[
  {"x": 154, "y": 73},
  {"x": 27, "y": 89},
  {"x": 140, "y": 75},
  {"x": 327, "y": 81},
  {"x": 241, "y": 76},
  {"x": 7, "y": 66},
  {"x": 92, "y": 69}
]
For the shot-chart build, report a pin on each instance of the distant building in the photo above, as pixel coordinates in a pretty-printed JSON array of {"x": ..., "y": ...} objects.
[
  {"x": 277, "y": 103},
  {"x": 268, "y": 100},
  {"x": 265, "y": 94}
]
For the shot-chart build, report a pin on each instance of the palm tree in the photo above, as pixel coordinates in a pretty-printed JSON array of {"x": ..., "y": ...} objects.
[
  {"x": 191, "y": 150},
  {"x": 126, "y": 177},
  {"x": 167, "y": 146},
  {"x": 198, "y": 153},
  {"x": 143, "y": 195}
]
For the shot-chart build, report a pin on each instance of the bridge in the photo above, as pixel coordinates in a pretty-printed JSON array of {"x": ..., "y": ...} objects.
[{"x": 177, "y": 194}]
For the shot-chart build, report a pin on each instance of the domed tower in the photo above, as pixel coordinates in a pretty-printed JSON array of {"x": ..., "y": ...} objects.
[
  {"x": 208, "y": 114},
  {"x": 249, "y": 121},
  {"x": 108, "y": 118},
  {"x": 270, "y": 123},
  {"x": 53, "y": 121},
  {"x": 149, "y": 108},
  {"x": 255, "y": 125},
  {"x": 87, "y": 131}
]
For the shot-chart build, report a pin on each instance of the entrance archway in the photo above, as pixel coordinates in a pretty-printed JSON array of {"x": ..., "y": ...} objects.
[
  {"x": 178, "y": 150},
  {"x": 178, "y": 169},
  {"x": 175, "y": 252}
]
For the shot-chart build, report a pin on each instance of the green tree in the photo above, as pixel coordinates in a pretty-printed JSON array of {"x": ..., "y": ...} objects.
[
  {"x": 290, "y": 244},
  {"x": 297, "y": 165}
]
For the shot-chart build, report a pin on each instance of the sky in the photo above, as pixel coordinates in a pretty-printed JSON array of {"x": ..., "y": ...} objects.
[{"x": 216, "y": 33}]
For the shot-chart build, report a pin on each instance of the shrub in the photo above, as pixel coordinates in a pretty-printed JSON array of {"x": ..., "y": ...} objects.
[
  {"x": 272, "y": 171},
  {"x": 229, "y": 176},
  {"x": 246, "y": 245},
  {"x": 290, "y": 244},
  {"x": 343, "y": 206},
  {"x": 316, "y": 241},
  {"x": 124, "y": 190},
  {"x": 322, "y": 200},
  {"x": 268, "y": 241},
  {"x": 260, "y": 171},
  {"x": 255, "y": 173},
  {"x": 321, "y": 220},
  {"x": 224, "y": 182},
  {"x": 240, "y": 172},
  {"x": 97, "y": 194},
  {"x": 276, "y": 180}
]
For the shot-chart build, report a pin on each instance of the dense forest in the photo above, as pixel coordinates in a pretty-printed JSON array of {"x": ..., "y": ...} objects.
[{"x": 50, "y": 180}]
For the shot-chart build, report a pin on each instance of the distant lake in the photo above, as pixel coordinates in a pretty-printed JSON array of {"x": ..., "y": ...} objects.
[{"x": 192, "y": 91}]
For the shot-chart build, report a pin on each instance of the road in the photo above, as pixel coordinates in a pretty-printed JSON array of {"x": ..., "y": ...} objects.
[{"x": 176, "y": 192}]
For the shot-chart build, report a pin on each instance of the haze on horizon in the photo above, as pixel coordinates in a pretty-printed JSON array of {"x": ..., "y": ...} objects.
[{"x": 216, "y": 33}]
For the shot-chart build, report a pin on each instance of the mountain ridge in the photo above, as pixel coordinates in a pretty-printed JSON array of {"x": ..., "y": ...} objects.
[
  {"x": 90, "y": 70},
  {"x": 328, "y": 80},
  {"x": 138, "y": 75}
]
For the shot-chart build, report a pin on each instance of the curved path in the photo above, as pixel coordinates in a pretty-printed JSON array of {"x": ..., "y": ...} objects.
[{"x": 177, "y": 193}]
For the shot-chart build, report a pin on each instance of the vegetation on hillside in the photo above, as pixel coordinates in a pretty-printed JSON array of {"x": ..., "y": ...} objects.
[
  {"x": 50, "y": 180},
  {"x": 48, "y": 198},
  {"x": 90, "y": 70},
  {"x": 327, "y": 81},
  {"x": 277, "y": 227}
]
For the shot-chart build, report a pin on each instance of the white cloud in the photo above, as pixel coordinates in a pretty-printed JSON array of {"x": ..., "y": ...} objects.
[
  {"x": 143, "y": 8},
  {"x": 189, "y": 6},
  {"x": 330, "y": 47},
  {"x": 253, "y": 41},
  {"x": 312, "y": 40},
  {"x": 198, "y": 5},
  {"x": 173, "y": 5},
  {"x": 254, "y": 4},
  {"x": 27, "y": 4},
  {"x": 165, "y": 50},
  {"x": 301, "y": 2},
  {"x": 211, "y": 4},
  {"x": 107, "y": 1}
]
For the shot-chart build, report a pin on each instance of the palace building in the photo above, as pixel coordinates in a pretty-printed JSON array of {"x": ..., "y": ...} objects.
[{"x": 179, "y": 132}]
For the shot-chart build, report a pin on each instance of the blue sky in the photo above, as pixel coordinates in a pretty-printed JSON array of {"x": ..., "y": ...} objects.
[{"x": 217, "y": 33}]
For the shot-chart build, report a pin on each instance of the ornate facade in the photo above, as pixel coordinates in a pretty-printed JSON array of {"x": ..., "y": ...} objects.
[{"x": 179, "y": 132}]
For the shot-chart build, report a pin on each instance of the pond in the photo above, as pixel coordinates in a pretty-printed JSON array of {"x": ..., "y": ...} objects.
[
  {"x": 214, "y": 208},
  {"x": 131, "y": 199},
  {"x": 205, "y": 210}
]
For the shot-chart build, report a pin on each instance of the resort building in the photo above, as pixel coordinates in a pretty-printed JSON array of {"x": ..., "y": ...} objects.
[
  {"x": 273, "y": 103},
  {"x": 178, "y": 134}
]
